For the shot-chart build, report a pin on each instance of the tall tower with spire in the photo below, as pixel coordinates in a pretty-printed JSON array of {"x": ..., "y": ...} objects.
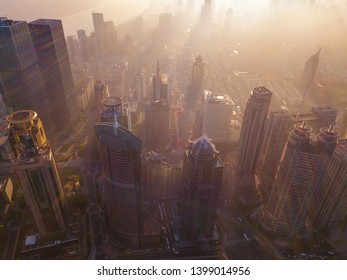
[{"x": 202, "y": 178}]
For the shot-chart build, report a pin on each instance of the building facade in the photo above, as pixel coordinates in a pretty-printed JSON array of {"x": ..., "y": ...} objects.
[
  {"x": 300, "y": 174},
  {"x": 251, "y": 137},
  {"x": 202, "y": 179},
  {"x": 217, "y": 116},
  {"x": 120, "y": 152},
  {"x": 37, "y": 171}
]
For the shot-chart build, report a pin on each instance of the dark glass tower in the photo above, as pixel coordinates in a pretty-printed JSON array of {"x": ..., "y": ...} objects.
[
  {"x": 121, "y": 168},
  {"x": 202, "y": 177},
  {"x": 20, "y": 76},
  {"x": 51, "y": 51},
  {"x": 197, "y": 80}
]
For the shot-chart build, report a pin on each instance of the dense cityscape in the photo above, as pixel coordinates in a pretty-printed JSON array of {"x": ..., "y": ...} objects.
[{"x": 194, "y": 130}]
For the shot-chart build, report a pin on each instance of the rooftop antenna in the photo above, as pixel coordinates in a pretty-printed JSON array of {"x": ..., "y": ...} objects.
[{"x": 116, "y": 124}]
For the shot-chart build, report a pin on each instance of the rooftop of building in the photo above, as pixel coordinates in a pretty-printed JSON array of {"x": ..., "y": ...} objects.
[
  {"x": 218, "y": 99},
  {"x": 324, "y": 110},
  {"x": 22, "y": 116},
  {"x": 44, "y": 21},
  {"x": 151, "y": 227},
  {"x": 112, "y": 101},
  {"x": 169, "y": 159},
  {"x": 5, "y": 22},
  {"x": 107, "y": 133},
  {"x": 261, "y": 91},
  {"x": 203, "y": 149}
]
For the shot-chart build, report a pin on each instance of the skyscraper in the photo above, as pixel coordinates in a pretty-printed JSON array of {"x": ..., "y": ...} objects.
[
  {"x": 197, "y": 80},
  {"x": 329, "y": 205},
  {"x": 157, "y": 125},
  {"x": 98, "y": 21},
  {"x": 37, "y": 172},
  {"x": 277, "y": 129},
  {"x": 141, "y": 85},
  {"x": 22, "y": 83},
  {"x": 51, "y": 51},
  {"x": 252, "y": 132},
  {"x": 120, "y": 152},
  {"x": 206, "y": 11},
  {"x": 84, "y": 45},
  {"x": 202, "y": 178},
  {"x": 160, "y": 86},
  {"x": 309, "y": 71},
  {"x": 300, "y": 173},
  {"x": 217, "y": 115}
]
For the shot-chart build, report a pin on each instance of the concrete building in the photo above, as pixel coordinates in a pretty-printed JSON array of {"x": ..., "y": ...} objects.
[
  {"x": 163, "y": 175},
  {"x": 300, "y": 174},
  {"x": 251, "y": 138},
  {"x": 160, "y": 86},
  {"x": 217, "y": 116},
  {"x": 86, "y": 95},
  {"x": 157, "y": 124},
  {"x": 37, "y": 171},
  {"x": 120, "y": 155},
  {"x": 202, "y": 178}
]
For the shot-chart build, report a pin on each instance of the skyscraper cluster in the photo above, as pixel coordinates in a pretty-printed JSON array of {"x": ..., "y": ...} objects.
[{"x": 35, "y": 70}]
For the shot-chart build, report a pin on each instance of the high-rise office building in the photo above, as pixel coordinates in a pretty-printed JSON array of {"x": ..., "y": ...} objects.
[
  {"x": 98, "y": 21},
  {"x": 157, "y": 125},
  {"x": 141, "y": 85},
  {"x": 252, "y": 132},
  {"x": 217, "y": 115},
  {"x": 163, "y": 175},
  {"x": 120, "y": 155},
  {"x": 160, "y": 86},
  {"x": 37, "y": 172},
  {"x": 51, "y": 51},
  {"x": 300, "y": 173},
  {"x": 20, "y": 76},
  {"x": 278, "y": 127},
  {"x": 329, "y": 205},
  {"x": 202, "y": 178},
  {"x": 84, "y": 45},
  {"x": 197, "y": 80},
  {"x": 309, "y": 71}
]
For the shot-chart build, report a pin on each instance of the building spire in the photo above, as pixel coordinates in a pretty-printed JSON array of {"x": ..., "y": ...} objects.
[{"x": 116, "y": 124}]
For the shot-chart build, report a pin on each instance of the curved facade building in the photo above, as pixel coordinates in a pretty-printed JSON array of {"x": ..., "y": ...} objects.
[
  {"x": 37, "y": 172},
  {"x": 121, "y": 167},
  {"x": 300, "y": 174}
]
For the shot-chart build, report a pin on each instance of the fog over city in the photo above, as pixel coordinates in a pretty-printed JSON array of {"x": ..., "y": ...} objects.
[{"x": 173, "y": 129}]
